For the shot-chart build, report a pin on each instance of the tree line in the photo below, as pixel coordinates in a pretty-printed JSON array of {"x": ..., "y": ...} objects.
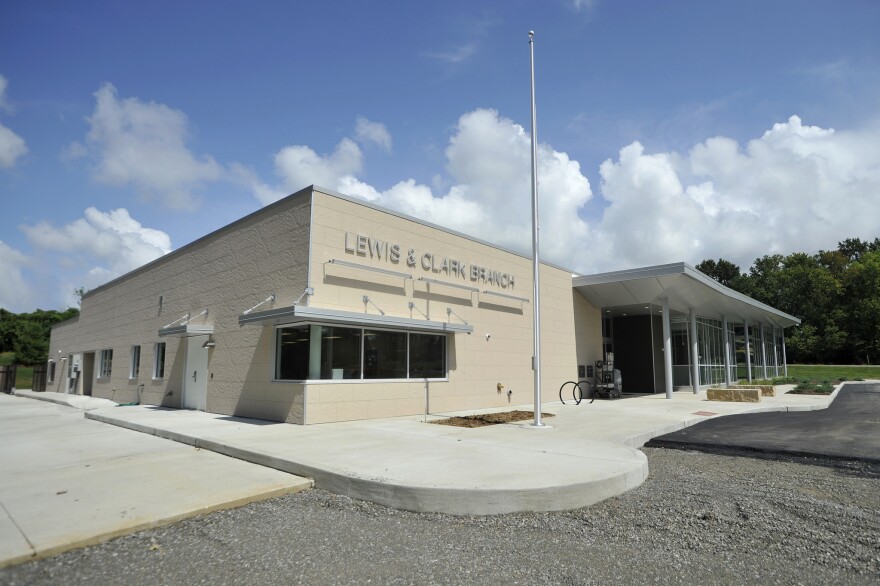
[
  {"x": 26, "y": 335},
  {"x": 836, "y": 294}
]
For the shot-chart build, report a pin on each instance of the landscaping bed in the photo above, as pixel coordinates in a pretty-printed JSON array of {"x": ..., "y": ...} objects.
[{"x": 489, "y": 418}]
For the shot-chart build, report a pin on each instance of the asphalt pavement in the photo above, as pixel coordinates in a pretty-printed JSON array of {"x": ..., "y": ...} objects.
[{"x": 849, "y": 429}]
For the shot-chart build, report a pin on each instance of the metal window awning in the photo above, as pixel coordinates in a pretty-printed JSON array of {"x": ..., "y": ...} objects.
[
  {"x": 185, "y": 331},
  {"x": 302, "y": 313}
]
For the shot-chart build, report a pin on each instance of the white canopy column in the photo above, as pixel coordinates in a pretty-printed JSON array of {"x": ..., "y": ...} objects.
[
  {"x": 667, "y": 348},
  {"x": 763, "y": 353},
  {"x": 748, "y": 350},
  {"x": 695, "y": 351},
  {"x": 726, "y": 350},
  {"x": 784, "y": 357}
]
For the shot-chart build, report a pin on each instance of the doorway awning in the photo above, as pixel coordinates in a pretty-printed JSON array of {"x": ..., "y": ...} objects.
[
  {"x": 185, "y": 331},
  {"x": 303, "y": 313},
  {"x": 684, "y": 286}
]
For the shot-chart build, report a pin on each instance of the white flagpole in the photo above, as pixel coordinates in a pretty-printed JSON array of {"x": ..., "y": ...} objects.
[{"x": 536, "y": 306}]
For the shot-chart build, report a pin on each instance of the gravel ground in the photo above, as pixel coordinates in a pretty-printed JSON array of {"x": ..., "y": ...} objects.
[{"x": 698, "y": 519}]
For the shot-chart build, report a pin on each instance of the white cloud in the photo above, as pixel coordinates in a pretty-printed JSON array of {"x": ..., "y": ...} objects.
[
  {"x": 114, "y": 242},
  {"x": 15, "y": 292},
  {"x": 374, "y": 132},
  {"x": 797, "y": 188},
  {"x": 299, "y": 166},
  {"x": 586, "y": 5},
  {"x": 143, "y": 144},
  {"x": 455, "y": 55},
  {"x": 12, "y": 146},
  {"x": 489, "y": 195}
]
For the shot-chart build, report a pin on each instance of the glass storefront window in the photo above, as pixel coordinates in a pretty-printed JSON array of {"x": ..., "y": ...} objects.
[
  {"x": 427, "y": 356},
  {"x": 384, "y": 354},
  {"x": 340, "y": 356},
  {"x": 292, "y": 353},
  {"x": 319, "y": 352}
]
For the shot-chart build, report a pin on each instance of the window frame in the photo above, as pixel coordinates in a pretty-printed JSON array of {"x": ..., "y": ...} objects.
[
  {"x": 134, "y": 363},
  {"x": 157, "y": 374},
  {"x": 360, "y": 380},
  {"x": 105, "y": 364}
]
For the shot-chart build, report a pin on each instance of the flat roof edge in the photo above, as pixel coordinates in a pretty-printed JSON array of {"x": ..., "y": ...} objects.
[
  {"x": 403, "y": 216},
  {"x": 178, "y": 251},
  {"x": 681, "y": 268}
]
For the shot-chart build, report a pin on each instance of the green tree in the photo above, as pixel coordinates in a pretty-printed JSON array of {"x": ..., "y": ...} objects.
[
  {"x": 723, "y": 271},
  {"x": 31, "y": 344},
  {"x": 862, "y": 292}
]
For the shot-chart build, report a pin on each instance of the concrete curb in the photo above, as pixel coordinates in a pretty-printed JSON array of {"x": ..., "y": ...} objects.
[
  {"x": 81, "y": 402},
  {"x": 42, "y": 553}
]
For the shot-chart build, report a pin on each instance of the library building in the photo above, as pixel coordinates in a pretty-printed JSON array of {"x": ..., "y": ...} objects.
[{"x": 323, "y": 307}]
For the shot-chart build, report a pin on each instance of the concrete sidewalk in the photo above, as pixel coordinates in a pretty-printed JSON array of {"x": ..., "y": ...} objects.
[
  {"x": 587, "y": 454},
  {"x": 68, "y": 482}
]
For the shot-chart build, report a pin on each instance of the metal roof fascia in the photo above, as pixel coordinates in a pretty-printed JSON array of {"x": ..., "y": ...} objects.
[
  {"x": 318, "y": 314},
  {"x": 185, "y": 331},
  {"x": 683, "y": 269}
]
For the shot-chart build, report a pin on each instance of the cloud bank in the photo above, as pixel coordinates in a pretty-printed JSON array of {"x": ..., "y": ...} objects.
[
  {"x": 143, "y": 145},
  {"x": 488, "y": 159},
  {"x": 796, "y": 188},
  {"x": 104, "y": 245},
  {"x": 15, "y": 291}
]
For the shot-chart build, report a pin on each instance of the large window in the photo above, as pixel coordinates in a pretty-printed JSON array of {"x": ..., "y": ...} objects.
[
  {"x": 427, "y": 356},
  {"x": 51, "y": 371},
  {"x": 159, "y": 360},
  {"x": 319, "y": 352},
  {"x": 134, "y": 368},
  {"x": 106, "y": 364}
]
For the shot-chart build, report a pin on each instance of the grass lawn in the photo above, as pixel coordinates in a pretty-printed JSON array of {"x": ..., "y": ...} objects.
[
  {"x": 832, "y": 373},
  {"x": 24, "y": 377}
]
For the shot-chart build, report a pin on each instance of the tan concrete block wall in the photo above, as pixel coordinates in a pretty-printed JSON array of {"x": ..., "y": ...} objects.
[
  {"x": 226, "y": 272},
  {"x": 476, "y": 364},
  {"x": 588, "y": 330}
]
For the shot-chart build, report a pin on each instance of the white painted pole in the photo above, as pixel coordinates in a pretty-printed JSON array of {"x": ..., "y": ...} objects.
[
  {"x": 726, "y": 350},
  {"x": 764, "y": 352},
  {"x": 536, "y": 268},
  {"x": 667, "y": 348},
  {"x": 748, "y": 350},
  {"x": 784, "y": 357},
  {"x": 695, "y": 352}
]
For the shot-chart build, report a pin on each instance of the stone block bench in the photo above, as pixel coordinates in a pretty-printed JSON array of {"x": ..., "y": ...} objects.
[
  {"x": 766, "y": 390},
  {"x": 741, "y": 395}
]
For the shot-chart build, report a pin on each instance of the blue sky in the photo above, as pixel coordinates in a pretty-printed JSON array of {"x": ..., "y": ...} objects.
[{"x": 669, "y": 131}]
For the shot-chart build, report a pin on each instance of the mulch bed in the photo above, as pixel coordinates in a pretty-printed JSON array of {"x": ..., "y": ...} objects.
[{"x": 489, "y": 419}]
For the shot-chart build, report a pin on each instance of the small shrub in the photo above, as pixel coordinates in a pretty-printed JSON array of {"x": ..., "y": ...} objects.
[{"x": 784, "y": 380}]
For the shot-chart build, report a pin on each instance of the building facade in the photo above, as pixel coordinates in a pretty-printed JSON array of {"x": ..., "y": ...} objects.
[{"x": 322, "y": 308}]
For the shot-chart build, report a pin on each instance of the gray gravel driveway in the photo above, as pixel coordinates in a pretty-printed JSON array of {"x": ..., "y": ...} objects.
[{"x": 698, "y": 519}]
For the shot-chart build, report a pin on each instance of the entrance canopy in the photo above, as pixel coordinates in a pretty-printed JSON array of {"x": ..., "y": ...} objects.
[{"x": 636, "y": 290}]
